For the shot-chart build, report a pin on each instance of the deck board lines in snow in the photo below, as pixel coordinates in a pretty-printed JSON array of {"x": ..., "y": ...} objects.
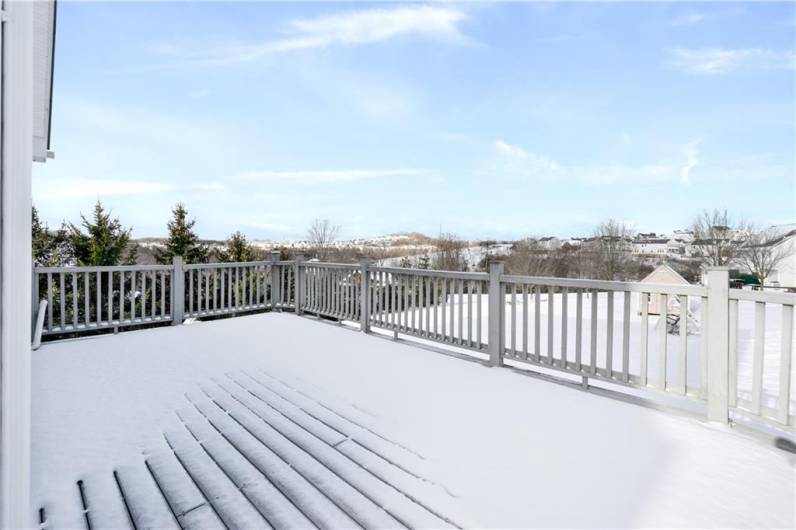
[{"x": 254, "y": 452}]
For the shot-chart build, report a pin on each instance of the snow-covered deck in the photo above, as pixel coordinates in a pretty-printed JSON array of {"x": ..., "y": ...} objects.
[{"x": 372, "y": 432}]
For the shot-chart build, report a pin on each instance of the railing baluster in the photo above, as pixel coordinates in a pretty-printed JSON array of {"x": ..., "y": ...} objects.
[
  {"x": 444, "y": 315},
  {"x": 49, "y": 301},
  {"x": 143, "y": 295},
  {"x": 162, "y": 294},
  {"x": 593, "y": 336},
  {"x": 704, "y": 335},
  {"x": 99, "y": 298},
  {"x": 190, "y": 292},
  {"x": 684, "y": 343},
  {"x": 479, "y": 292},
  {"x": 537, "y": 323},
  {"x": 86, "y": 301},
  {"x": 133, "y": 294},
  {"x": 757, "y": 359},
  {"x": 110, "y": 297},
  {"x": 62, "y": 296},
  {"x": 733, "y": 360},
  {"x": 469, "y": 313},
  {"x": 564, "y": 323},
  {"x": 513, "y": 324},
  {"x": 550, "y": 323},
  {"x": 663, "y": 332},
  {"x": 645, "y": 321},
  {"x": 783, "y": 414},
  {"x": 461, "y": 313},
  {"x": 578, "y": 329},
  {"x": 609, "y": 336},
  {"x": 626, "y": 337},
  {"x": 524, "y": 321},
  {"x": 74, "y": 300},
  {"x": 452, "y": 312}
]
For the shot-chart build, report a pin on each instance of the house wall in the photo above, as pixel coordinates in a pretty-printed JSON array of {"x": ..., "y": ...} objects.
[
  {"x": 16, "y": 143},
  {"x": 785, "y": 272}
]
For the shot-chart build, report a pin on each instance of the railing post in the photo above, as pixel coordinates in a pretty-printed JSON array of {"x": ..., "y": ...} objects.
[
  {"x": 364, "y": 302},
  {"x": 177, "y": 291},
  {"x": 718, "y": 284},
  {"x": 275, "y": 278},
  {"x": 299, "y": 279},
  {"x": 496, "y": 314}
]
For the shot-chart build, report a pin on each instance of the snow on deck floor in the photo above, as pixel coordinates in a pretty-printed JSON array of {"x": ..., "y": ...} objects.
[{"x": 515, "y": 451}]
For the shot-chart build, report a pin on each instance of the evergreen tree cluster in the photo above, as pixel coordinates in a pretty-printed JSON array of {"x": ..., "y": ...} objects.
[{"x": 101, "y": 239}]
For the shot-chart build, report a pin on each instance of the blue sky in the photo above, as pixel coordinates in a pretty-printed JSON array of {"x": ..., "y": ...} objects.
[{"x": 488, "y": 120}]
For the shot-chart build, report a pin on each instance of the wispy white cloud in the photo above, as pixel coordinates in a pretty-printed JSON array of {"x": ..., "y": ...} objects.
[
  {"x": 328, "y": 175},
  {"x": 348, "y": 28},
  {"x": 712, "y": 61},
  {"x": 79, "y": 188},
  {"x": 691, "y": 151},
  {"x": 73, "y": 188},
  {"x": 518, "y": 159},
  {"x": 518, "y": 162}
]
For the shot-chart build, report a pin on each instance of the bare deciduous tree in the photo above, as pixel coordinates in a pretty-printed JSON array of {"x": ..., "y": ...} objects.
[
  {"x": 449, "y": 253},
  {"x": 717, "y": 238},
  {"x": 528, "y": 257},
  {"x": 762, "y": 251},
  {"x": 321, "y": 235},
  {"x": 609, "y": 250}
]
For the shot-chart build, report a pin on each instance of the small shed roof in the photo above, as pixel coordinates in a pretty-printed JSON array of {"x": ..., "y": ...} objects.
[{"x": 665, "y": 274}]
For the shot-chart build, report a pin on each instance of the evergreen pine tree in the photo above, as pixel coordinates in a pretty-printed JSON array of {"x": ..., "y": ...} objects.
[
  {"x": 105, "y": 241},
  {"x": 182, "y": 240},
  {"x": 237, "y": 249},
  {"x": 406, "y": 263},
  {"x": 47, "y": 247}
]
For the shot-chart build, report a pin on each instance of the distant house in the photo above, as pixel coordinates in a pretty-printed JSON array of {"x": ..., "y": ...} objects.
[
  {"x": 785, "y": 272},
  {"x": 650, "y": 246},
  {"x": 663, "y": 274},
  {"x": 676, "y": 247},
  {"x": 550, "y": 243}
]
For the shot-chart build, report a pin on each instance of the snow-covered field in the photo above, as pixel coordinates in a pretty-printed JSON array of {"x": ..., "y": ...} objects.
[{"x": 516, "y": 451}]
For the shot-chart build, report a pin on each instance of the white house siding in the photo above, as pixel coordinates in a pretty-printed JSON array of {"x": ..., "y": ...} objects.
[{"x": 785, "y": 272}]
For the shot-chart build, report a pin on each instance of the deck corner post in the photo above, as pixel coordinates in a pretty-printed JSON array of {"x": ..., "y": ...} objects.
[
  {"x": 275, "y": 278},
  {"x": 718, "y": 350},
  {"x": 364, "y": 295},
  {"x": 177, "y": 291},
  {"x": 299, "y": 279},
  {"x": 496, "y": 314}
]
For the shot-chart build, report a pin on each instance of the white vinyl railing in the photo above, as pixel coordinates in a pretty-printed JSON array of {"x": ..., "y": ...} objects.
[{"x": 728, "y": 350}]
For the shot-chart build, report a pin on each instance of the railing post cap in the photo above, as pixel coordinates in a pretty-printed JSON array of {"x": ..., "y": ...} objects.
[
  {"x": 275, "y": 255},
  {"x": 176, "y": 259},
  {"x": 719, "y": 268}
]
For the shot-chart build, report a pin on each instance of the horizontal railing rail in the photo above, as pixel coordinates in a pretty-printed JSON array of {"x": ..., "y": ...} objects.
[{"x": 728, "y": 350}]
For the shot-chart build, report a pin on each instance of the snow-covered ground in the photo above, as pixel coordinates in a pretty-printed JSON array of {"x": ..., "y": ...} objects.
[{"x": 516, "y": 451}]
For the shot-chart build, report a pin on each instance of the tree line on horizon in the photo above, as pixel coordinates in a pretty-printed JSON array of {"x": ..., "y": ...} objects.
[{"x": 101, "y": 239}]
